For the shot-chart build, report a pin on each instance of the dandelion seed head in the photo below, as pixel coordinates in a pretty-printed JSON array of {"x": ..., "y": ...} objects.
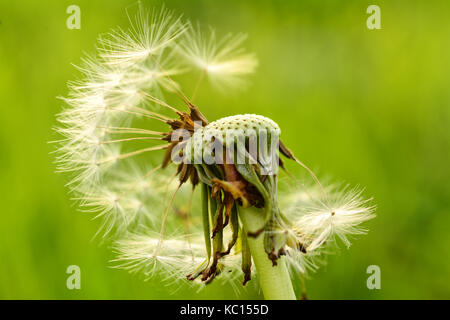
[{"x": 110, "y": 133}]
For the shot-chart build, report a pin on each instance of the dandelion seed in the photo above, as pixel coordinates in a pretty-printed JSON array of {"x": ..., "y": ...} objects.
[
  {"x": 322, "y": 220},
  {"x": 224, "y": 61},
  {"x": 149, "y": 35}
]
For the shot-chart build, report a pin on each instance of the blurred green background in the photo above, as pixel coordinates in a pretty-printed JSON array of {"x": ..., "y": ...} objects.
[{"x": 369, "y": 107}]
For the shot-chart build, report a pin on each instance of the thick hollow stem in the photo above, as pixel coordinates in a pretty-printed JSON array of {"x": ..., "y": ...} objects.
[{"x": 275, "y": 280}]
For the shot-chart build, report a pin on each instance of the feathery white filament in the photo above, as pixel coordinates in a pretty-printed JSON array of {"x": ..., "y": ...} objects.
[
  {"x": 175, "y": 258},
  {"x": 148, "y": 35},
  {"x": 319, "y": 221},
  {"x": 224, "y": 61}
]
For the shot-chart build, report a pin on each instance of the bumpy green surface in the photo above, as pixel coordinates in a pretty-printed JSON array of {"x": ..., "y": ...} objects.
[{"x": 224, "y": 129}]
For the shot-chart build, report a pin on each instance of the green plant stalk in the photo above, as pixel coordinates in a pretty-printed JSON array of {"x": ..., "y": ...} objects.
[{"x": 275, "y": 281}]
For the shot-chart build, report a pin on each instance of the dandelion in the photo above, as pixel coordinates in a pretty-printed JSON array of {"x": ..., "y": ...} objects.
[{"x": 137, "y": 161}]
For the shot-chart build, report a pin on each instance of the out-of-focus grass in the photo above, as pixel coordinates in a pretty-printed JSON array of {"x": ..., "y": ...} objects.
[{"x": 367, "y": 107}]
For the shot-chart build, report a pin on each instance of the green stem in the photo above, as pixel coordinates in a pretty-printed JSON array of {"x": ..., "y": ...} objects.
[{"x": 275, "y": 281}]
